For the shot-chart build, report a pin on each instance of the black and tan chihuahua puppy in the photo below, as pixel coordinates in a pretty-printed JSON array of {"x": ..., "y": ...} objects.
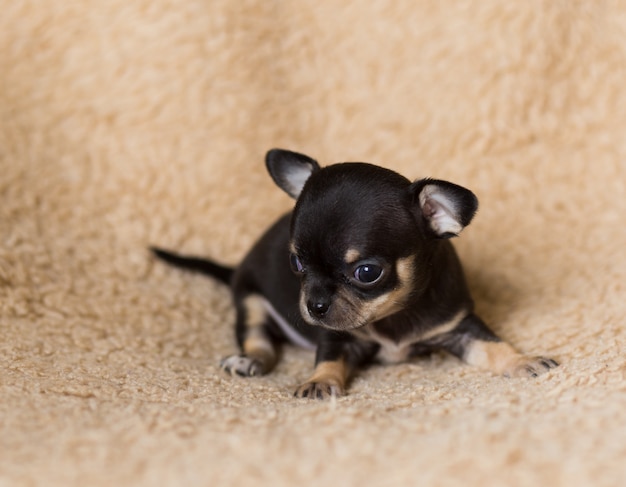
[{"x": 362, "y": 269}]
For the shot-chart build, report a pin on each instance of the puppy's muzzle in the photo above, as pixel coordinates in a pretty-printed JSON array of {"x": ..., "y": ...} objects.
[{"x": 316, "y": 301}]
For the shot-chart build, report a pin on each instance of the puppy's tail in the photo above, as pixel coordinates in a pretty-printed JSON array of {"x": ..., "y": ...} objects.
[{"x": 203, "y": 266}]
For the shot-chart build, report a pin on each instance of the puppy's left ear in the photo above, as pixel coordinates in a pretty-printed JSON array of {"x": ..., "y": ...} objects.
[
  {"x": 447, "y": 208},
  {"x": 290, "y": 170}
]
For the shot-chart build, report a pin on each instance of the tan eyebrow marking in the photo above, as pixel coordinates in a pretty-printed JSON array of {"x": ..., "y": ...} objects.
[{"x": 351, "y": 256}]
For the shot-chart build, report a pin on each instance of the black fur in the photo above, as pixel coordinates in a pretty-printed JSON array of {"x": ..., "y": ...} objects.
[{"x": 217, "y": 271}]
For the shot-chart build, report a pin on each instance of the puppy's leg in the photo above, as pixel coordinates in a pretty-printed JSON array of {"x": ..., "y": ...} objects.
[
  {"x": 259, "y": 353},
  {"x": 334, "y": 363},
  {"x": 328, "y": 380},
  {"x": 477, "y": 345}
]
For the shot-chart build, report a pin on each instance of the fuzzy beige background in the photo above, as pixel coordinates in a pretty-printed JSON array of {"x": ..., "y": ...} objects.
[{"x": 124, "y": 124}]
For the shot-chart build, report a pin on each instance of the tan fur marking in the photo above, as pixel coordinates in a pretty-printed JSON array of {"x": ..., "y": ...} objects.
[
  {"x": 393, "y": 301},
  {"x": 256, "y": 314},
  {"x": 331, "y": 372},
  {"x": 446, "y": 327},
  {"x": 352, "y": 255},
  {"x": 328, "y": 380},
  {"x": 499, "y": 357},
  {"x": 292, "y": 248},
  {"x": 256, "y": 345},
  {"x": 392, "y": 352}
]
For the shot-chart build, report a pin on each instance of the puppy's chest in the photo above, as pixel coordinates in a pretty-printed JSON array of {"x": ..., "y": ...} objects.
[
  {"x": 398, "y": 345},
  {"x": 392, "y": 350}
]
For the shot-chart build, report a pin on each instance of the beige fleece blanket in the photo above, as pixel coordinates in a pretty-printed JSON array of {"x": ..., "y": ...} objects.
[{"x": 124, "y": 124}]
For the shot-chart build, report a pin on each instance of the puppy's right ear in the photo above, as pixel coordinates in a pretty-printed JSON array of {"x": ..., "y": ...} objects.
[{"x": 290, "y": 170}]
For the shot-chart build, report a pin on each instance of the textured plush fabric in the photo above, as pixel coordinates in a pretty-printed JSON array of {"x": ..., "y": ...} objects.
[{"x": 129, "y": 123}]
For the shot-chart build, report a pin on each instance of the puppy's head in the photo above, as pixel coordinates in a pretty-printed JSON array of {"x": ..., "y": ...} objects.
[{"x": 362, "y": 235}]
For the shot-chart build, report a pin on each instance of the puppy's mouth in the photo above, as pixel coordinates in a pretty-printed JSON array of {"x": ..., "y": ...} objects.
[
  {"x": 338, "y": 325},
  {"x": 345, "y": 313}
]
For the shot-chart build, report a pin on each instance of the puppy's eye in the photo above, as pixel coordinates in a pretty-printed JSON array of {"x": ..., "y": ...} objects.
[
  {"x": 296, "y": 265},
  {"x": 368, "y": 273}
]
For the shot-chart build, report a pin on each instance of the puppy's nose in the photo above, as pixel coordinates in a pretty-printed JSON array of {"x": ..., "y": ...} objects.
[{"x": 318, "y": 309}]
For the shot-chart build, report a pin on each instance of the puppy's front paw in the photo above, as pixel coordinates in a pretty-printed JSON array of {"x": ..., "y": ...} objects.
[
  {"x": 242, "y": 365},
  {"x": 319, "y": 390},
  {"x": 529, "y": 366}
]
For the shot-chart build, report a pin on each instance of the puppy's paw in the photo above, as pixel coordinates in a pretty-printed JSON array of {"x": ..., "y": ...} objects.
[
  {"x": 242, "y": 365},
  {"x": 529, "y": 366},
  {"x": 319, "y": 390}
]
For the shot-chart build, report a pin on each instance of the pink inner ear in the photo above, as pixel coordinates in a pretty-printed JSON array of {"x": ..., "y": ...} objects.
[
  {"x": 438, "y": 209},
  {"x": 428, "y": 209}
]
